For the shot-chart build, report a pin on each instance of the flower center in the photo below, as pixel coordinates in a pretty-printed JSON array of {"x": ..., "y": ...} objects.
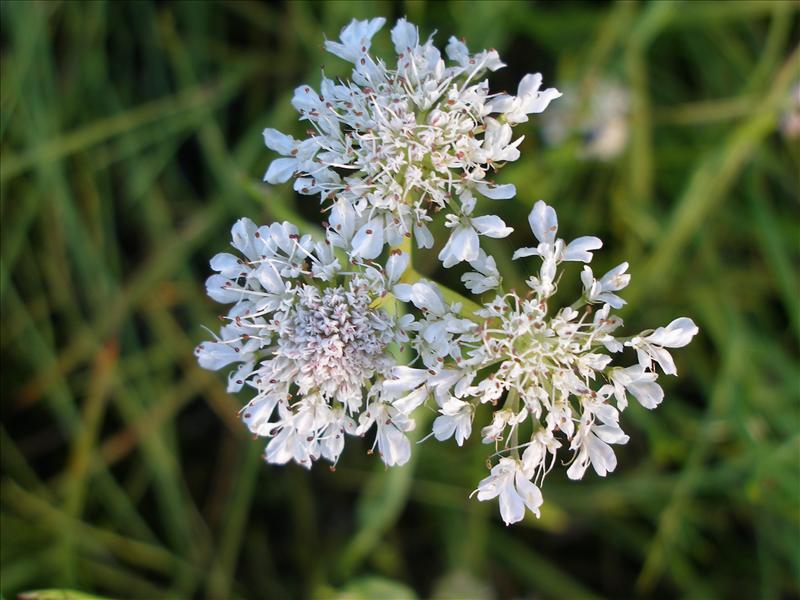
[{"x": 335, "y": 340}]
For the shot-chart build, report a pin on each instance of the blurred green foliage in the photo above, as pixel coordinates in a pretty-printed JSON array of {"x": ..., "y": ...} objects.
[{"x": 131, "y": 140}]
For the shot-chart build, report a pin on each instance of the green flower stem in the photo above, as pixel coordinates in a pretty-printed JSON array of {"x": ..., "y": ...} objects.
[{"x": 579, "y": 303}]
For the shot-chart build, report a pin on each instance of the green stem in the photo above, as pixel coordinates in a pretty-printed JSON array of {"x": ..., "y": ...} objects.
[{"x": 578, "y": 303}]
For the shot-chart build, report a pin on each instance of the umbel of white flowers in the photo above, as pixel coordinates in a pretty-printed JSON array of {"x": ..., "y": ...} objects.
[
  {"x": 308, "y": 338},
  {"x": 317, "y": 328},
  {"x": 402, "y": 143}
]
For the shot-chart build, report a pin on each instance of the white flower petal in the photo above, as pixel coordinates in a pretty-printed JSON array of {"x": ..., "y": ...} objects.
[
  {"x": 279, "y": 142},
  {"x": 529, "y": 492},
  {"x": 305, "y": 99},
  {"x": 538, "y": 103},
  {"x": 529, "y": 84},
  {"x": 237, "y": 378},
  {"x": 280, "y": 170},
  {"x": 580, "y": 249},
  {"x": 648, "y": 393},
  {"x": 601, "y": 455},
  {"x": 543, "y": 222},
  {"x": 424, "y": 296},
  {"x": 242, "y": 237},
  {"x": 610, "y": 434},
  {"x": 488, "y": 488},
  {"x": 256, "y": 415},
  {"x": 578, "y": 467},
  {"x": 457, "y": 50},
  {"x": 396, "y": 265},
  {"x": 215, "y": 355},
  {"x": 228, "y": 265},
  {"x": 675, "y": 335},
  {"x": 405, "y": 36},
  {"x": 491, "y": 226},
  {"x": 467, "y": 203},
  {"x": 502, "y": 103},
  {"x": 368, "y": 240},
  {"x": 222, "y": 290},
  {"x": 393, "y": 445},
  {"x": 497, "y": 192},
  {"x": 404, "y": 379},
  {"x": 269, "y": 278},
  {"x": 408, "y": 403},
  {"x": 354, "y": 37},
  {"x": 523, "y": 252},
  {"x": 512, "y": 509},
  {"x": 444, "y": 426},
  {"x": 423, "y": 235},
  {"x": 664, "y": 360},
  {"x": 343, "y": 219},
  {"x": 462, "y": 245},
  {"x": 402, "y": 291}
]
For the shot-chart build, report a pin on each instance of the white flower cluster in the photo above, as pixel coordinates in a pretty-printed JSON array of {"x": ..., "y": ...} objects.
[
  {"x": 310, "y": 340},
  {"x": 550, "y": 370},
  {"x": 399, "y": 144},
  {"x": 336, "y": 337}
]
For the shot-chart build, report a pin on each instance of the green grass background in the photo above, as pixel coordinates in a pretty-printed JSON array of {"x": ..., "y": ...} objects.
[{"x": 131, "y": 140}]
